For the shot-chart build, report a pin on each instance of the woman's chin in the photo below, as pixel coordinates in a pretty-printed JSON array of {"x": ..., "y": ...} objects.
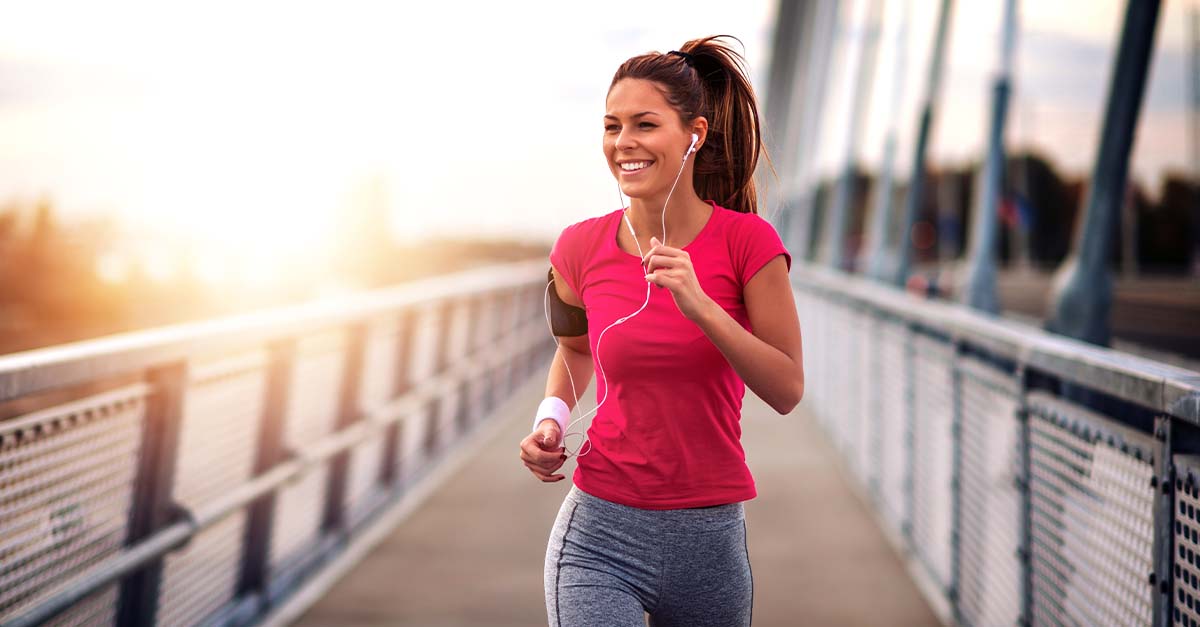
[{"x": 633, "y": 191}]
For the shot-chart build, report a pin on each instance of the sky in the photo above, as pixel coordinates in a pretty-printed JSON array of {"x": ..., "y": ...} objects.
[
  {"x": 1063, "y": 61},
  {"x": 246, "y": 128},
  {"x": 253, "y": 124}
]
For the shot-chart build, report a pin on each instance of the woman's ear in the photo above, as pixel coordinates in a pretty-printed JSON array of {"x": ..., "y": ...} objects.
[{"x": 700, "y": 128}]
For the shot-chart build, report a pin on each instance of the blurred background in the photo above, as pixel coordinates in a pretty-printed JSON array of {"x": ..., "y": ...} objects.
[
  {"x": 993, "y": 210},
  {"x": 164, "y": 162},
  {"x": 871, "y": 71},
  {"x": 168, "y": 161}
]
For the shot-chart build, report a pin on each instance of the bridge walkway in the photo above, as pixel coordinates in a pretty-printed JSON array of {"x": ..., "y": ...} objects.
[{"x": 472, "y": 552}]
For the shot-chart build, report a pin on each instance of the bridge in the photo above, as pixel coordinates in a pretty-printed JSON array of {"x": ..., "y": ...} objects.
[{"x": 353, "y": 461}]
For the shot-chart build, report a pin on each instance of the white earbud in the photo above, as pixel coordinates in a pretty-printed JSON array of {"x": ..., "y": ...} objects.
[{"x": 692, "y": 146}]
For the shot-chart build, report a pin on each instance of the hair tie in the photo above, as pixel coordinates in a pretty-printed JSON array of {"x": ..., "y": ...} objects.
[{"x": 687, "y": 57}]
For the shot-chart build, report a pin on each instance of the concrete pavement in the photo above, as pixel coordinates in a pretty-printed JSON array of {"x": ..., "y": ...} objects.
[{"x": 472, "y": 553}]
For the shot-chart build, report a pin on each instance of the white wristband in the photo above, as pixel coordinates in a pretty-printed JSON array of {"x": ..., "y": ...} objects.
[{"x": 554, "y": 408}]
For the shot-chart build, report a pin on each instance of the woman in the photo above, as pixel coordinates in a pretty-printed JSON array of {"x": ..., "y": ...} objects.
[{"x": 655, "y": 522}]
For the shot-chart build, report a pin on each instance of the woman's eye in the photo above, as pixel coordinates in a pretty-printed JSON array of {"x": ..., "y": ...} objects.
[
  {"x": 646, "y": 125},
  {"x": 611, "y": 128}
]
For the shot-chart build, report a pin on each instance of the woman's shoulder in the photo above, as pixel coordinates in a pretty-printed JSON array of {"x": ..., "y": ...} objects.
[
  {"x": 747, "y": 224},
  {"x": 581, "y": 240},
  {"x": 588, "y": 228}
]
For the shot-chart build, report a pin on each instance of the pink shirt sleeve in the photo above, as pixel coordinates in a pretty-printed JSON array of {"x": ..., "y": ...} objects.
[
  {"x": 564, "y": 256},
  {"x": 754, "y": 243}
]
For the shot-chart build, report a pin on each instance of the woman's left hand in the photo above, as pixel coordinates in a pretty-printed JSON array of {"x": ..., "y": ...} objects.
[{"x": 672, "y": 268}]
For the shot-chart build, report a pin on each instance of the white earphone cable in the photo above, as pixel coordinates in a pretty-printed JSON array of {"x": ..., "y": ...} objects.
[{"x": 580, "y": 452}]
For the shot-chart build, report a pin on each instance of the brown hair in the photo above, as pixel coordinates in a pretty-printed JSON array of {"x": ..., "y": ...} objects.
[{"x": 710, "y": 80}]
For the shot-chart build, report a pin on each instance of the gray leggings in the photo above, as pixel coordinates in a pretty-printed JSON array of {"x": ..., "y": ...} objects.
[{"x": 607, "y": 563}]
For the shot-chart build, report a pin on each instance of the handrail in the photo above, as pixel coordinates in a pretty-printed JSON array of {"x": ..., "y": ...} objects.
[
  {"x": 39, "y": 370},
  {"x": 997, "y": 452},
  {"x": 178, "y": 534},
  {"x": 1158, "y": 386}
]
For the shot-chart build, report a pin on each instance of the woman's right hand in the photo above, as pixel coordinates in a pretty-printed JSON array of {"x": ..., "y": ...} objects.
[{"x": 542, "y": 452}]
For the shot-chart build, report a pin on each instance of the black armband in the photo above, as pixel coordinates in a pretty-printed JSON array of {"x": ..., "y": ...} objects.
[{"x": 565, "y": 320}]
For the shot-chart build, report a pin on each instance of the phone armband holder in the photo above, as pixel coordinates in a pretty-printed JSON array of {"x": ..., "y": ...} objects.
[{"x": 565, "y": 320}]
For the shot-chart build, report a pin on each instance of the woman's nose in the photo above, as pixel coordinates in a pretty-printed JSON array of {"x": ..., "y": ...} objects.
[{"x": 624, "y": 140}]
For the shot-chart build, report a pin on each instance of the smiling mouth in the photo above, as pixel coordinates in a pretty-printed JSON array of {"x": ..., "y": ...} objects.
[{"x": 632, "y": 167}]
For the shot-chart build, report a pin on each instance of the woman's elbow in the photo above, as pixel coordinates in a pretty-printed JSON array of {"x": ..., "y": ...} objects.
[{"x": 784, "y": 406}]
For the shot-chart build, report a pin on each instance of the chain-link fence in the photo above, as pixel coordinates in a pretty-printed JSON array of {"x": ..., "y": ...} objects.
[
  {"x": 202, "y": 474},
  {"x": 1025, "y": 475}
]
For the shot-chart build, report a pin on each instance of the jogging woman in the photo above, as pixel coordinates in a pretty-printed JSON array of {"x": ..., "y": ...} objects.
[{"x": 676, "y": 304}]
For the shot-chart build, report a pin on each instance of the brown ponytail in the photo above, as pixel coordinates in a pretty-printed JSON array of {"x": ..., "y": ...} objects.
[{"x": 710, "y": 80}]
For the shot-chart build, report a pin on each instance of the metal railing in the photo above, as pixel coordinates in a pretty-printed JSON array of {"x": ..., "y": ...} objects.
[
  {"x": 199, "y": 474},
  {"x": 1031, "y": 478}
]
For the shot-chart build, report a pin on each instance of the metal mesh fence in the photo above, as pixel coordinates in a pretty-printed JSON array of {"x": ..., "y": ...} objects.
[
  {"x": 364, "y": 492},
  {"x": 857, "y": 391},
  {"x": 312, "y": 414},
  {"x": 73, "y": 481},
  {"x": 1186, "y": 569},
  {"x": 442, "y": 422},
  {"x": 66, "y": 489},
  {"x": 424, "y": 343},
  {"x": 380, "y": 354},
  {"x": 1091, "y": 517},
  {"x": 850, "y": 414},
  {"x": 413, "y": 435},
  {"x": 420, "y": 429},
  {"x": 834, "y": 359},
  {"x": 1019, "y": 504},
  {"x": 218, "y": 439},
  {"x": 459, "y": 340},
  {"x": 378, "y": 378},
  {"x": 201, "y": 579},
  {"x": 865, "y": 400},
  {"x": 97, "y": 610},
  {"x": 819, "y": 360},
  {"x": 894, "y": 452},
  {"x": 933, "y": 448},
  {"x": 989, "y": 585}
]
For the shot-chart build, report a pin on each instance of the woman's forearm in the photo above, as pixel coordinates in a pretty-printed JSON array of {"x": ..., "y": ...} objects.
[
  {"x": 767, "y": 371},
  {"x": 558, "y": 383}
]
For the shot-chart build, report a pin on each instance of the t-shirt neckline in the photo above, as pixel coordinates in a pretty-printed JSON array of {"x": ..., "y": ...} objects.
[{"x": 620, "y": 223}]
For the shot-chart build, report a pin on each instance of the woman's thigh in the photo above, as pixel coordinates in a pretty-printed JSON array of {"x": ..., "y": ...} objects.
[
  {"x": 584, "y": 601},
  {"x": 599, "y": 569},
  {"x": 607, "y": 563},
  {"x": 707, "y": 581}
]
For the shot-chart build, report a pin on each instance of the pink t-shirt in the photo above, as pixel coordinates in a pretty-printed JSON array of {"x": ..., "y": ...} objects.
[{"x": 669, "y": 434}]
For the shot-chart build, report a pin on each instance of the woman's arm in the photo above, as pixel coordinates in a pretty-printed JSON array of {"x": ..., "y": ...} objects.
[
  {"x": 769, "y": 360},
  {"x": 574, "y": 350},
  {"x": 542, "y": 451}
]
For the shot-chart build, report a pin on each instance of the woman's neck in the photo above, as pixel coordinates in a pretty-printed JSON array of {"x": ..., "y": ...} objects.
[{"x": 686, "y": 214}]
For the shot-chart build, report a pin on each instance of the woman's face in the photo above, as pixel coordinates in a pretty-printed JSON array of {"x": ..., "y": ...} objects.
[{"x": 644, "y": 139}]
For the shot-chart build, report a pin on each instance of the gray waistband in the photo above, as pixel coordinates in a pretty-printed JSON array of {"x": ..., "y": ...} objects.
[{"x": 683, "y": 520}]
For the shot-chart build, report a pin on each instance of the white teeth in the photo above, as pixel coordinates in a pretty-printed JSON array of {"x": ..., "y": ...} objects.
[{"x": 637, "y": 165}]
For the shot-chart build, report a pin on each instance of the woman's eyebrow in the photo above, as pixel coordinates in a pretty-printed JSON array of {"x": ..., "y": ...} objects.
[{"x": 636, "y": 115}]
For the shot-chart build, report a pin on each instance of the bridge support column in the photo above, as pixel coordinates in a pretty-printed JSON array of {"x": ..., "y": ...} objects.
[
  {"x": 441, "y": 357},
  {"x": 837, "y": 221},
  {"x": 153, "y": 507},
  {"x": 390, "y": 471},
  {"x": 786, "y": 57},
  {"x": 1083, "y": 285},
  {"x": 820, "y": 27},
  {"x": 979, "y": 289},
  {"x": 349, "y": 412},
  {"x": 898, "y": 272},
  {"x": 878, "y": 236},
  {"x": 255, "y": 576}
]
